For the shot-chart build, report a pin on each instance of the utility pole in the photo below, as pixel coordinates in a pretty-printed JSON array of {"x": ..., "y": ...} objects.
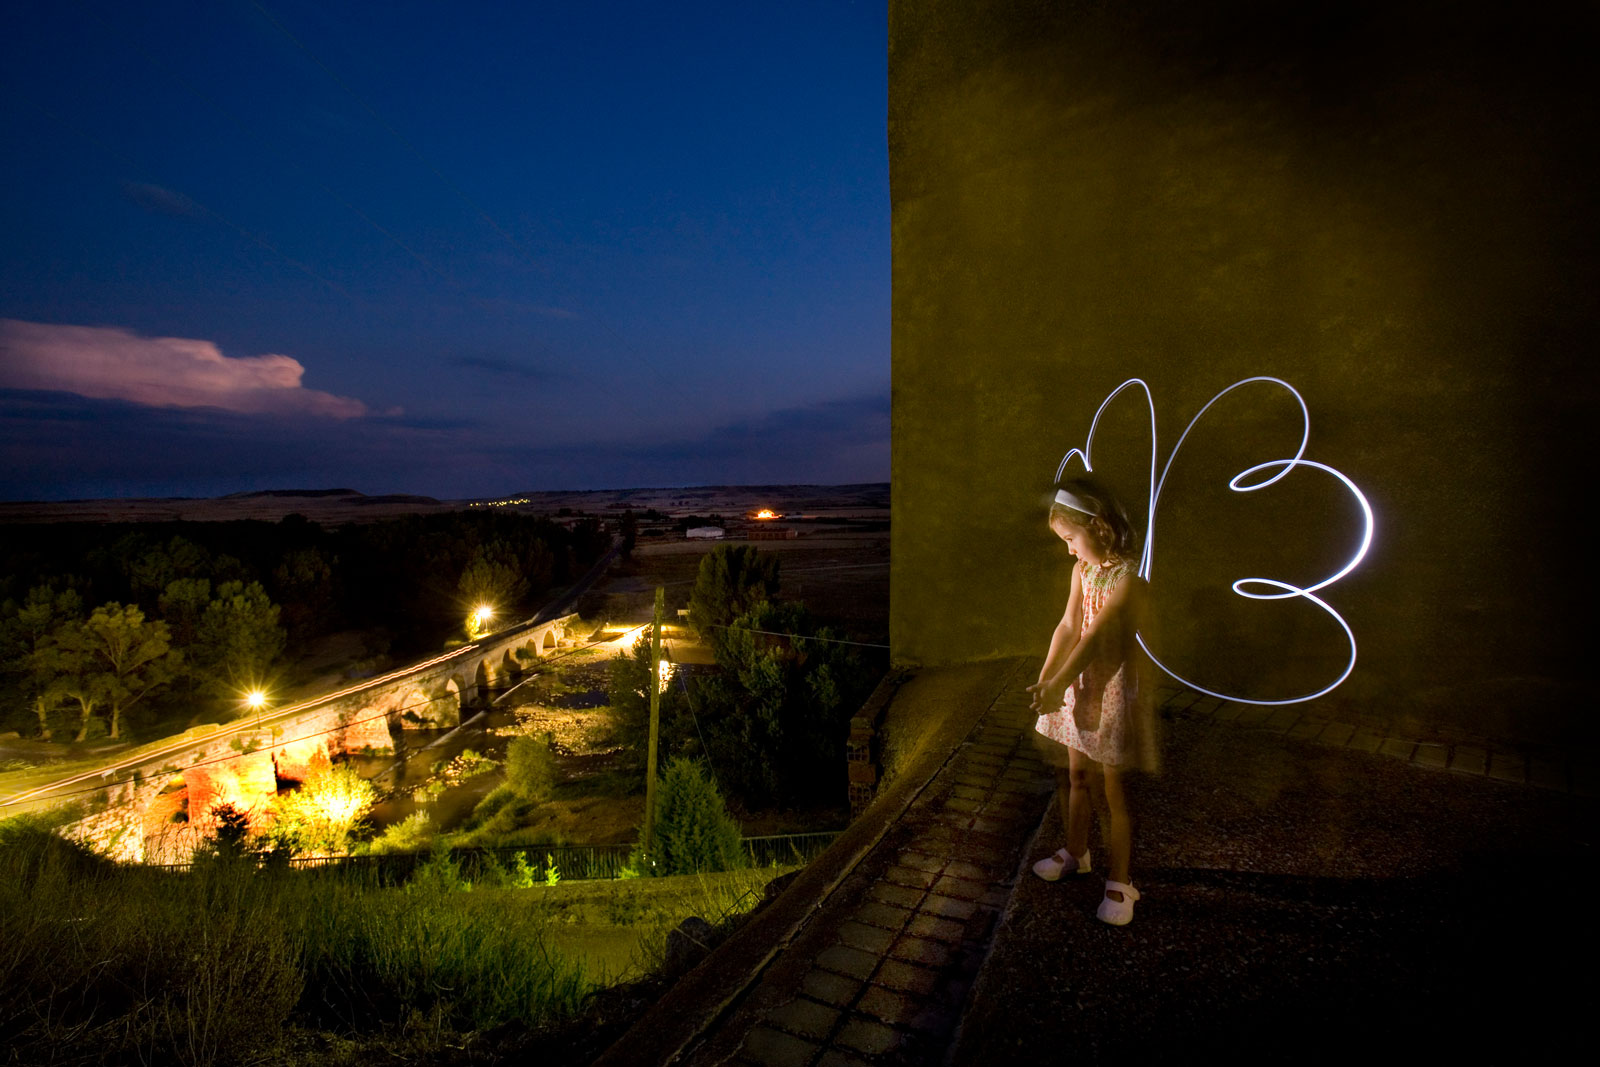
[{"x": 655, "y": 730}]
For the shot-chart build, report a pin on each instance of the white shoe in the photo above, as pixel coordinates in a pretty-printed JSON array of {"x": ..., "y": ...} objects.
[
  {"x": 1051, "y": 868},
  {"x": 1117, "y": 912}
]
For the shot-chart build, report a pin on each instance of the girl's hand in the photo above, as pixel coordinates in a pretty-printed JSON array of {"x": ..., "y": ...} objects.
[{"x": 1047, "y": 697}]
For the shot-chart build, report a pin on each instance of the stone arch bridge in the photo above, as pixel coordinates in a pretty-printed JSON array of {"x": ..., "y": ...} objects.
[{"x": 244, "y": 763}]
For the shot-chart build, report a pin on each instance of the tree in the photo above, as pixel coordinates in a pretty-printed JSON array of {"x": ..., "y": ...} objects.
[
  {"x": 182, "y": 603},
  {"x": 531, "y": 767},
  {"x": 776, "y": 715},
  {"x": 127, "y": 657},
  {"x": 305, "y": 588},
  {"x": 628, "y": 529},
  {"x": 238, "y": 638},
  {"x": 694, "y": 831},
  {"x": 629, "y": 696},
  {"x": 732, "y": 580},
  {"x": 26, "y": 648},
  {"x": 493, "y": 577}
]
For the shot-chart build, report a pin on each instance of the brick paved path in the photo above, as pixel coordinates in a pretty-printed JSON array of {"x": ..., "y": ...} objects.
[{"x": 879, "y": 976}]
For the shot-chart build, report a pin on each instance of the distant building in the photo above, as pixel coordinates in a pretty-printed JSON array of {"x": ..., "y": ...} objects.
[
  {"x": 705, "y": 533},
  {"x": 771, "y": 533}
]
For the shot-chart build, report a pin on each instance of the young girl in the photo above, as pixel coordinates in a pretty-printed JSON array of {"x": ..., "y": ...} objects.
[{"x": 1094, "y": 723}]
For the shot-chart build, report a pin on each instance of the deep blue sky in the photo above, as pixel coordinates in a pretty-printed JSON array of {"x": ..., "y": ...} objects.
[{"x": 512, "y": 246}]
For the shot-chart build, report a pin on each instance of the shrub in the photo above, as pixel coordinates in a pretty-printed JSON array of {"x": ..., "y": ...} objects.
[
  {"x": 531, "y": 767},
  {"x": 694, "y": 831},
  {"x": 411, "y": 834},
  {"x": 324, "y": 812}
]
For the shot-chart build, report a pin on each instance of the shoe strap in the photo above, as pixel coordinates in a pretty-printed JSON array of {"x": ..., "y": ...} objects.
[{"x": 1124, "y": 888}]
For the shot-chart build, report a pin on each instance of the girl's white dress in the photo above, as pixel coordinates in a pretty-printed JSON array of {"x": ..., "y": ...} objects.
[{"x": 1105, "y": 713}]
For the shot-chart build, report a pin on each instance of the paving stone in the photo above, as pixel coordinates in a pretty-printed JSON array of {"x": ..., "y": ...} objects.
[
  {"x": 908, "y": 877},
  {"x": 953, "y": 819},
  {"x": 962, "y": 804},
  {"x": 887, "y": 916},
  {"x": 1228, "y": 712},
  {"x": 869, "y": 1036},
  {"x": 1547, "y": 774},
  {"x": 1398, "y": 747},
  {"x": 1508, "y": 768},
  {"x": 977, "y": 781},
  {"x": 1253, "y": 715},
  {"x": 1428, "y": 755},
  {"x": 906, "y": 977},
  {"x": 1364, "y": 741},
  {"x": 836, "y": 1058},
  {"x": 948, "y": 907},
  {"x": 1469, "y": 759},
  {"x": 774, "y": 1048},
  {"x": 982, "y": 762},
  {"x": 1305, "y": 731},
  {"x": 889, "y": 893},
  {"x": 866, "y": 938},
  {"x": 971, "y": 792},
  {"x": 888, "y": 1006},
  {"x": 1282, "y": 720},
  {"x": 1016, "y": 774},
  {"x": 960, "y": 888},
  {"x": 1336, "y": 733},
  {"x": 986, "y": 825},
  {"x": 983, "y": 852},
  {"x": 847, "y": 961},
  {"x": 935, "y": 927},
  {"x": 807, "y": 1018},
  {"x": 963, "y": 869},
  {"x": 919, "y": 861},
  {"x": 830, "y": 988}
]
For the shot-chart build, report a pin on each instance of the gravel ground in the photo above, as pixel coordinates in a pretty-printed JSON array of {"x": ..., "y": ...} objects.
[{"x": 1308, "y": 903}]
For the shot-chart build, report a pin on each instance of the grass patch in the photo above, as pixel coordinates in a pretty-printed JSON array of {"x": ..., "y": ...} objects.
[{"x": 108, "y": 964}]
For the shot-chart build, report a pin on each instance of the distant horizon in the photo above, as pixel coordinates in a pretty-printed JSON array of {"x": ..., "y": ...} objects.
[{"x": 308, "y": 491}]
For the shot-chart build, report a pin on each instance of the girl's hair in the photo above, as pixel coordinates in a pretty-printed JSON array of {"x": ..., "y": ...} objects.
[{"x": 1108, "y": 509}]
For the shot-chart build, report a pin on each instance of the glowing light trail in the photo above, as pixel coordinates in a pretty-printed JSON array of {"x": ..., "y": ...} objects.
[{"x": 1249, "y": 588}]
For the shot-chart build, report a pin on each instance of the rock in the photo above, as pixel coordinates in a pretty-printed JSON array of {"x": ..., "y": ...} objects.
[{"x": 688, "y": 944}]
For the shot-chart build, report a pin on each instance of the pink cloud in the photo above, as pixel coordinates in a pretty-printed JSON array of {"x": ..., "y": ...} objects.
[{"x": 167, "y": 372}]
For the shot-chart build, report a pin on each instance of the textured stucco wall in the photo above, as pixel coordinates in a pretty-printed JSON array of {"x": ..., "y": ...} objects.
[{"x": 1387, "y": 204}]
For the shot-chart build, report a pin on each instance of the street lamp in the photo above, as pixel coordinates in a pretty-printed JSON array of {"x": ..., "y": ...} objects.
[
  {"x": 254, "y": 701},
  {"x": 478, "y": 621}
]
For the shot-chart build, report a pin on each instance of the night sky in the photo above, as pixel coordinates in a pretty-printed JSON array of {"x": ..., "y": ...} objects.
[{"x": 454, "y": 249}]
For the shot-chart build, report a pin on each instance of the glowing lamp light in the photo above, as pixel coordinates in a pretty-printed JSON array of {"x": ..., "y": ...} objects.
[
  {"x": 1250, "y": 588},
  {"x": 663, "y": 675},
  {"x": 478, "y": 621},
  {"x": 255, "y": 700}
]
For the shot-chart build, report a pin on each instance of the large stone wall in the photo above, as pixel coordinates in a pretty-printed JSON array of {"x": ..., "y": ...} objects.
[{"x": 1388, "y": 204}]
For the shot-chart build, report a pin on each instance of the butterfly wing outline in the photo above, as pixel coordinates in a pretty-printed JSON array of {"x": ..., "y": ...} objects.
[{"x": 1252, "y": 479}]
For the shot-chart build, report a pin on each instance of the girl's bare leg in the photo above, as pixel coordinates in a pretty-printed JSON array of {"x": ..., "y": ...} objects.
[
  {"x": 1119, "y": 835},
  {"x": 1075, "y": 802}
]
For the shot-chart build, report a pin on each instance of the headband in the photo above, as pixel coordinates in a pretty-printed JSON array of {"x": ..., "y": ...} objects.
[{"x": 1067, "y": 500}]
